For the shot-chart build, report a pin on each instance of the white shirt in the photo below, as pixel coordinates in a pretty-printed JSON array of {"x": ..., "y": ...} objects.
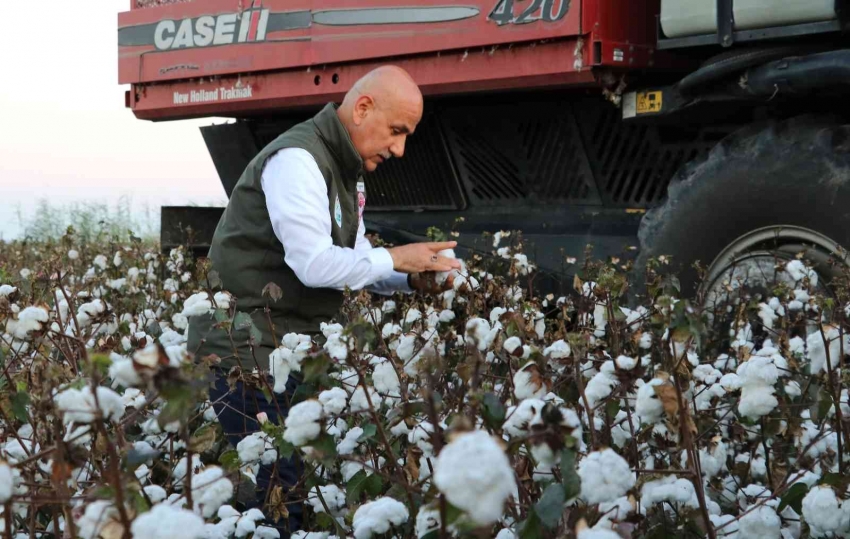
[{"x": 297, "y": 202}]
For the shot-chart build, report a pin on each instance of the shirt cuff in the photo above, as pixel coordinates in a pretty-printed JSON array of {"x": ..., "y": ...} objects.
[
  {"x": 398, "y": 281},
  {"x": 382, "y": 264}
]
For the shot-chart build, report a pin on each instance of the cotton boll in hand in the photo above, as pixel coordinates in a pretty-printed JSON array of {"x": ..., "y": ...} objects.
[{"x": 442, "y": 276}]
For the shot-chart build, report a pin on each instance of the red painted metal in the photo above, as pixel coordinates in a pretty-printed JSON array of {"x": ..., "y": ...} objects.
[
  {"x": 314, "y": 63},
  {"x": 546, "y": 65},
  {"x": 320, "y": 44}
]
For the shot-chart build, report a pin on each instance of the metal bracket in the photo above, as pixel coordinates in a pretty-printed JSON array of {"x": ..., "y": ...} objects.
[{"x": 725, "y": 23}]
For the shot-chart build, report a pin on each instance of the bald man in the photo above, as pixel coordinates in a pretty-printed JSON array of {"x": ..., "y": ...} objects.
[{"x": 295, "y": 218}]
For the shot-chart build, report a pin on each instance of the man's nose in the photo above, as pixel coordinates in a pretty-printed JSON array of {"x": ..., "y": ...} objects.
[{"x": 397, "y": 147}]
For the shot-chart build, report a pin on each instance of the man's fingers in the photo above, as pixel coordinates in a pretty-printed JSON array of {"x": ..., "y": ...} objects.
[
  {"x": 441, "y": 245},
  {"x": 444, "y": 264}
]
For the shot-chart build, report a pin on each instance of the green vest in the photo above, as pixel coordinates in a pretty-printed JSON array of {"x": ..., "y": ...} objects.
[{"x": 247, "y": 255}]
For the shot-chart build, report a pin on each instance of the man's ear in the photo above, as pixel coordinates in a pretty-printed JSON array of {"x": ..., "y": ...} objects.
[{"x": 362, "y": 107}]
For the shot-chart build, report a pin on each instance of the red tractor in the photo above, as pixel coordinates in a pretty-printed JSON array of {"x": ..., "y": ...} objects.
[{"x": 711, "y": 130}]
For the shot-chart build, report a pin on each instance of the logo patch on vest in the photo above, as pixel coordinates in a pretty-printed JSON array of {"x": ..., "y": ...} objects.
[
  {"x": 338, "y": 213},
  {"x": 361, "y": 199}
]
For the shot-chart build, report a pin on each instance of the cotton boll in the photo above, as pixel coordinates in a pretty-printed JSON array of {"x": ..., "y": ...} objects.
[
  {"x": 97, "y": 516},
  {"x": 478, "y": 333},
  {"x": 713, "y": 460},
  {"x": 330, "y": 329},
  {"x": 605, "y": 476},
  {"x": 390, "y": 330},
  {"x": 767, "y": 315},
  {"x": 223, "y": 300},
  {"x": 558, "y": 350},
  {"x": 760, "y": 522},
  {"x": 247, "y": 523},
  {"x": 350, "y": 442},
  {"x": 302, "y": 423},
  {"x": 210, "y": 490},
  {"x": 511, "y": 344},
  {"x": 822, "y": 512},
  {"x": 133, "y": 398},
  {"x": 442, "y": 276},
  {"x": 334, "y": 400},
  {"x": 529, "y": 383},
  {"x": 30, "y": 320},
  {"x": 255, "y": 448},
  {"x": 333, "y": 496},
  {"x": 818, "y": 350},
  {"x": 123, "y": 372},
  {"x": 757, "y": 401},
  {"x": 197, "y": 304},
  {"x": 598, "y": 533},
  {"x": 374, "y": 518},
  {"x": 168, "y": 522},
  {"x": 725, "y": 525},
  {"x": 626, "y": 363},
  {"x": 792, "y": 389},
  {"x": 798, "y": 271},
  {"x": 349, "y": 469},
  {"x": 282, "y": 361},
  {"x": 446, "y": 316},
  {"x": 669, "y": 489},
  {"x": 427, "y": 521},
  {"x": 266, "y": 532},
  {"x": 385, "y": 377},
  {"x": 475, "y": 475},
  {"x": 337, "y": 347},
  {"x": 421, "y": 436},
  {"x": 79, "y": 405},
  {"x": 7, "y": 482},
  {"x": 360, "y": 403},
  {"x": 519, "y": 417},
  {"x": 156, "y": 493},
  {"x": 600, "y": 387}
]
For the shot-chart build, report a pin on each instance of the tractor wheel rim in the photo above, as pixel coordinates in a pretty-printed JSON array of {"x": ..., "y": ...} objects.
[{"x": 756, "y": 253}]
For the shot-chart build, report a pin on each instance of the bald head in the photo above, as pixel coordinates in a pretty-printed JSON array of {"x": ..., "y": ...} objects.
[{"x": 379, "y": 112}]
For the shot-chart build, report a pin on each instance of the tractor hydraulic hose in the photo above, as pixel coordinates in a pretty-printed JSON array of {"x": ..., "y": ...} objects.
[
  {"x": 727, "y": 64},
  {"x": 800, "y": 74}
]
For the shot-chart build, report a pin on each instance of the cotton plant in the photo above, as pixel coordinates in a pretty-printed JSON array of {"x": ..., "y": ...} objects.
[{"x": 484, "y": 410}]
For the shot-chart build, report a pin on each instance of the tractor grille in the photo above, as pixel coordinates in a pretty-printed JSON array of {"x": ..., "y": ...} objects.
[
  {"x": 527, "y": 150},
  {"x": 634, "y": 163},
  {"x": 532, "y": 154}
]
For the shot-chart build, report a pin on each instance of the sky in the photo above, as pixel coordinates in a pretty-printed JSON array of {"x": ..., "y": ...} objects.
[{"x": 64, "y": 132}]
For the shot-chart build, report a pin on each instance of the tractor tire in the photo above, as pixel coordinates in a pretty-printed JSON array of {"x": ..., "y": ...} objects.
[{"x": 779, "y": 178}]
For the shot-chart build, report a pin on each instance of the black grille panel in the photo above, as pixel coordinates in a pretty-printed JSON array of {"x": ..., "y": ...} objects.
[
  {"x": 515, "y": 153},
  {"x": 521, "y": 149},
  {"x": 634, "y": 163}
]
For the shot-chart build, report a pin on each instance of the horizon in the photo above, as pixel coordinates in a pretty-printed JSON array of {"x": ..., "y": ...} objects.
[{"x": 68, "y": 137}]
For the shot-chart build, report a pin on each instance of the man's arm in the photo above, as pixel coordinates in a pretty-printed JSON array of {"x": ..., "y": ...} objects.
[
  {"x": 297, "y": 202},
  {"x": 396, "y": 282}
]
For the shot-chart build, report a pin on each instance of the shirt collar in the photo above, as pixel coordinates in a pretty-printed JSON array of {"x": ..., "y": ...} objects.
[{"x": 339, "y": 141}]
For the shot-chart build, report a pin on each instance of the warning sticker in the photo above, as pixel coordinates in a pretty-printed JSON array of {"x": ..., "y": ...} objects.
[{"x": 648, "y": 102}]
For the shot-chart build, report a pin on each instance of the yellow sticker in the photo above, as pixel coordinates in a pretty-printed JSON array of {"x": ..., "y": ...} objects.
[{"x": 648, "y": 102}]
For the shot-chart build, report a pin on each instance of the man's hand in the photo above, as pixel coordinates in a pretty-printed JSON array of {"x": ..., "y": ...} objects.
[
  {"x": 422, "y": 257},
  {"x": 426, "y": 282}
]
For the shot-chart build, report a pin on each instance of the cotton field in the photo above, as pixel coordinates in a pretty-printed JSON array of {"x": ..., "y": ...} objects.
[{"x": 482, "y": 412}]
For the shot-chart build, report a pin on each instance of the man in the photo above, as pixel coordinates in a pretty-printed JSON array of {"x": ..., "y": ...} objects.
[{"x": 295, "y": 218}]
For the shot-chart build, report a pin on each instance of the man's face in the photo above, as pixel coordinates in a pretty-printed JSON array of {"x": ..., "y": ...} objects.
[{"x": 382, "y": 125}]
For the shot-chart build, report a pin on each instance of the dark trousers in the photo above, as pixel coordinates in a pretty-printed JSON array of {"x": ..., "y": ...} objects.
[{"x": 237, "y": 412}]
